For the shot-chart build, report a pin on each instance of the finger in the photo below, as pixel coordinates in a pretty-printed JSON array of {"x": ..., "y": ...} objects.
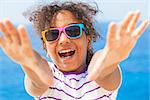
[
  {"x": 140, "y": 29},
  {"x": 25, "y": 41},
  {"x": 112, "y": 31},
  {"x": 124, "y": 24},
  {"x": 133, "y": 23},
  {"x": 12, "y": 30},
  {"x": 5, "y": 32},
  {"x": 2, "y": 43}
]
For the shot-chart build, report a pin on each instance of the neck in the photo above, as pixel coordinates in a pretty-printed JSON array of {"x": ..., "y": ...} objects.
[{"x": 80, "y": 70}]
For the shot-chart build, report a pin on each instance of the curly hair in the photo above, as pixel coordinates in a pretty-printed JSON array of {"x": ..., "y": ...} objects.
[{"x": 43, "y": 15}]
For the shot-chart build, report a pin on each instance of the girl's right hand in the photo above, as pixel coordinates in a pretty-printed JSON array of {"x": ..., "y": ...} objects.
[{"x": 17, "y": 46}]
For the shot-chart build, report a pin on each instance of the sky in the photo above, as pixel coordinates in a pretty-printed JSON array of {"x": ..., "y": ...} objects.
[{"x": 112, "y": 9}]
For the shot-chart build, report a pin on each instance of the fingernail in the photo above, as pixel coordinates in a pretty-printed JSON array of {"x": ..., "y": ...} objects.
[{"x": 21, "y": 26}]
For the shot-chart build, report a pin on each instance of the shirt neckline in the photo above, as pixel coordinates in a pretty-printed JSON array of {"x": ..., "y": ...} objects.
[{"x": 72, "y": 72}]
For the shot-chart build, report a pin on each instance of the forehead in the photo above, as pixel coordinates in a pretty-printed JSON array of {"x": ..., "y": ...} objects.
[{"x": 63, "y": 18}]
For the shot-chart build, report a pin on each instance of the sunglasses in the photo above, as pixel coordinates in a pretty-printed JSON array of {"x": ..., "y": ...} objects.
[{"x": 72, "y": 31}]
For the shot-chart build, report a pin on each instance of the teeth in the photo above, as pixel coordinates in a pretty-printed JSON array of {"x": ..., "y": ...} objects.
[{"x": 65, "y": 51}]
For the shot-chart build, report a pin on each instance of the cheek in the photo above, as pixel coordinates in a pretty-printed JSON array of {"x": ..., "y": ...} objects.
[
  {"x": 82, "y": 47},
  {"x": 51, "y": 50}
]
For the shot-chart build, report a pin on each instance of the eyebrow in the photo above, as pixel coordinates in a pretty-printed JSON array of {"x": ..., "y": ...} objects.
[{"x": 66, "y": 25}]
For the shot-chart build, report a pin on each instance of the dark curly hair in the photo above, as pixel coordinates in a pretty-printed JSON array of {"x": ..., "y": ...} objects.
[{"x": 42, "y": 17}]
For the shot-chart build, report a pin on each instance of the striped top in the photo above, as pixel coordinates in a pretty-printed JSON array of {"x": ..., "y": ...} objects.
[{"x": 74, "y": 86}]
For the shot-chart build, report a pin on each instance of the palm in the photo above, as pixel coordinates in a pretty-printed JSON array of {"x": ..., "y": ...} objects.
[
  {"x": 16, "y": 44},
  {"x": 122, "y": 38}
]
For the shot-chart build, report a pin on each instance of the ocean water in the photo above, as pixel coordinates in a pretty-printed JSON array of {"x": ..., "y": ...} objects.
[{"x": 135, "y": 70}]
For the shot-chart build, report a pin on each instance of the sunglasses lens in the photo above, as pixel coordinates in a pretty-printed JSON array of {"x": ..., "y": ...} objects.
[
  {"x": 51, "y": 35},
  {"x": 73, "y": 31}
]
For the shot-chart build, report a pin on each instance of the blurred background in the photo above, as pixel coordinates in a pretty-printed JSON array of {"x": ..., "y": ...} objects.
[{"x": 135, "y": 69}]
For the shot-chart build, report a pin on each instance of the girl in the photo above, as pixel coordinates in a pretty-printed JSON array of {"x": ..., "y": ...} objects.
[{"x": 67, "y": 31}]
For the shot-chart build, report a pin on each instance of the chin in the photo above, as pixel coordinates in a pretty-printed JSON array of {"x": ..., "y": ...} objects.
[{"x": 68, "y": 67}]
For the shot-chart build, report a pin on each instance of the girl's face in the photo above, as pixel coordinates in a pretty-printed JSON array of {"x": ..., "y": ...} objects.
[{"x": 68, "y": 54}]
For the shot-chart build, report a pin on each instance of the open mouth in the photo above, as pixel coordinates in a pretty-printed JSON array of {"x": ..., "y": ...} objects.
[{"x": 65, "y": 54}]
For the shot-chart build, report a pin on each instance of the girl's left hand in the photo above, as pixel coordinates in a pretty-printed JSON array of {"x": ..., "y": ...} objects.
[{"x": 121, "y": 39}]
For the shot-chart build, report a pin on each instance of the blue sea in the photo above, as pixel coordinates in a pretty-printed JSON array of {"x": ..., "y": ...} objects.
[{"x": 135, "y": 69}]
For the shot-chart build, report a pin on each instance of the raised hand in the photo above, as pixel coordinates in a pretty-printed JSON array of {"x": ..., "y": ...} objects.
[
  {"x": 17, "y": 46},
  {"x": 121, "y": 39}
]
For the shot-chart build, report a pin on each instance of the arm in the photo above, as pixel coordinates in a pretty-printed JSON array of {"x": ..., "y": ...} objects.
[
  {"x": 121, "y": 39},
  {"x": 16, "y": 45},
  {"x": 37, "y": 81},
  {"x": 108, "y": 77}
]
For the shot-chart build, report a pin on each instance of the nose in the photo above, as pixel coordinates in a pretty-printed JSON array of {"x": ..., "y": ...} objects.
[{"x": 63, "y": 39}]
